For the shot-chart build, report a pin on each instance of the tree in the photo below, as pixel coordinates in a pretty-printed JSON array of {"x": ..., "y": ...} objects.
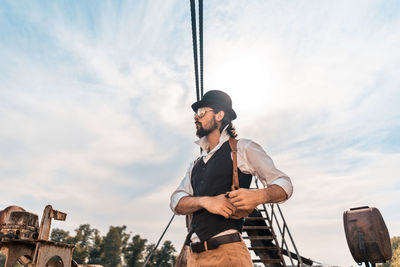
[
  {"x": 149, "y": 249},
  {"x": 84, "y": 241},
  {"x": 96, "y": 249},
  {"x": 133, "y": 253},
  {"x": 92, "y": 248},
  {"x": 2, "y": 259},
  {"x": 83, "y": 244},
  {"x": 395, "y": 260},
  {"x": 163, "y": 257},
  {"x": 114, "y": 243},
  {"x": 59, "y": 235}
]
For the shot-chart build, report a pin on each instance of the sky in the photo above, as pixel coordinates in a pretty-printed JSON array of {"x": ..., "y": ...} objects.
[{"x": 95, "y": 114}]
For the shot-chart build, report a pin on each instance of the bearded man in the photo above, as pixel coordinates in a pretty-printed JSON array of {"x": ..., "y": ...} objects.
[{"x": 205, "y": 191}]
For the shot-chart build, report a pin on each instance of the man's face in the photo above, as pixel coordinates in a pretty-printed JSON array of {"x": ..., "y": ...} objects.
[{"x": 205, "y": 121}]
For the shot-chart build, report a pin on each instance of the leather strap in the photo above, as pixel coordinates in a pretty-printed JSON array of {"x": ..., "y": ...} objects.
[
  {"x": 233, "y": 144},
  {"x": 215, "y": 242}
]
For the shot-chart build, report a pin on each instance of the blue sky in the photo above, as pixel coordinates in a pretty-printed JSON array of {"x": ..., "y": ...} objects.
[{"x": 96, "y": 120}]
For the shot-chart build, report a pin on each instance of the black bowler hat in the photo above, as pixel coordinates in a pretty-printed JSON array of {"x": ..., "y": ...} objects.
[{"x": 218, "y": 100}]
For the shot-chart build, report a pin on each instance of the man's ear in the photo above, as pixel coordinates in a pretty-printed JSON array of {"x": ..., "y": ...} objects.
[{"x": 220, "y": 115}]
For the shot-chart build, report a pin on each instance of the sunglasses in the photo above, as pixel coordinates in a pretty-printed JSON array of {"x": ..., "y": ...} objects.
[{"x": 201, "y": 112}]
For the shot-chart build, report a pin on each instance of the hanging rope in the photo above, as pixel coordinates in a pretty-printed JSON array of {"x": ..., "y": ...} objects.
[
  {"x": 199, "y": 88},
  {"x": 201, "y": 47},
  {"x": 194, "y": 40}
]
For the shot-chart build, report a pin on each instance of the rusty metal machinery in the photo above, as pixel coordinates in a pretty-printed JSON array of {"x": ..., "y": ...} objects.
[
  {"x": 22, "y": 240},
  {"x": 16, "y": 223},
  {"x": 367, "y": 235}
]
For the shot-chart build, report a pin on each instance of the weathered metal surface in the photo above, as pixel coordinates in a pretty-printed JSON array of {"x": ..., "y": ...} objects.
[
  {"x": 22, "y": 240},
  {"x": 58, "y": 215},
  {"x": 17, "y": 249},
  {"x": 17, "y": 223},
  {"x": 5, "y": 213},
  {"x": 367, "y": 235},
  {"x": 49, "y": 250}
]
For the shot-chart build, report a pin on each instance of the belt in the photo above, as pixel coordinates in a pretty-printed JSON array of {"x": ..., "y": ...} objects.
[{"x": 215, "y": 242}]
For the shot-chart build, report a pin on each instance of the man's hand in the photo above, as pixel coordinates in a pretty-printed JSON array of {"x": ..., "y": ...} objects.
[
  {"x": 219, "y": 205},
  {"x": 238, "y": 201},
  {"x": 245, "y": 199},
  {"x": 241, "y": 213}
]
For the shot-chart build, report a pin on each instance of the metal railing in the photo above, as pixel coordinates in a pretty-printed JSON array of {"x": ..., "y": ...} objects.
[{"x": 278, "y": 220}]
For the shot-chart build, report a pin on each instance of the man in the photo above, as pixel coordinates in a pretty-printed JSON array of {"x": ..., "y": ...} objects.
[{"x": 206, "y": 193}]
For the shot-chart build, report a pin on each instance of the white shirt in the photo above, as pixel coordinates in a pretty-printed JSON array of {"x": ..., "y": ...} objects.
[{"x": 251, "y": 159}]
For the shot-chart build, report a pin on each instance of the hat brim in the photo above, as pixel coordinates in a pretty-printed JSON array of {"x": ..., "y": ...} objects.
[{"x": 212, "y": 104}]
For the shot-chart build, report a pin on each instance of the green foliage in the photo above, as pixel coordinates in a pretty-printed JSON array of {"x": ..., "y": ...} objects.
[
  {"x": 83, "y": 241},
  {"x": 96, "y": 249},
  {"x": 2, "y": 259},
  {"x": 109, "y": 250},
  {"x": 395, "y": 260},
  {"x": 62, "y": 236},
  {"x": 162, "y": 257},
  {"x": 149, "y": 249},
  {"x": 114, "y": 243},
  {"x": 133, "y": 253}
]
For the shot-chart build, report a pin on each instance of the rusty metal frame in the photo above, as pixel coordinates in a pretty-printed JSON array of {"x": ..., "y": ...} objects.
[{"x": 38, "y": 252}]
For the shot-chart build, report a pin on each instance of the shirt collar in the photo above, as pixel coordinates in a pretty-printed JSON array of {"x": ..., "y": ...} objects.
[{"x": 203, "y": 142}]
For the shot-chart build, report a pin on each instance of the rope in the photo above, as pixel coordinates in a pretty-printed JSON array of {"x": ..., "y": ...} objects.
[
  {"x": 201, "y": 47},
  {"x": 158, "y": 243},
  {"x": 194, "y": 38}
]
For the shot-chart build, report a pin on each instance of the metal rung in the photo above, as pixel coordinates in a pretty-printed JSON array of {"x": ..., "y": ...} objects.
[
  {"x": 258, "y": 237},
  {"x": 245, "y": 227},
  {"x": 269, "y": 261},
  {"x": 263, "y": 248},
  {"x": 255, "y": 219}
]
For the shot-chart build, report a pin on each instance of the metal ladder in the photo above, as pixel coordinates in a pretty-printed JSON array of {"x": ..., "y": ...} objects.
[{"x": 262, "y": 240}]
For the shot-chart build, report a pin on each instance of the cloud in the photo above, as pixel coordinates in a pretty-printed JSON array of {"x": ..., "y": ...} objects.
[
  {"x": 95, "y": 97},
  {"x": 89, "y": 107}
]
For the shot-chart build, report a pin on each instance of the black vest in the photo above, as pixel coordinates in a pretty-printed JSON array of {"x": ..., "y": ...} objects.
[{"x": 211, "y": 179}]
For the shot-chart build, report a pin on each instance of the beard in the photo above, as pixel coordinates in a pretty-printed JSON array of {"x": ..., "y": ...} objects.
[{"x": 204, "y": 131}]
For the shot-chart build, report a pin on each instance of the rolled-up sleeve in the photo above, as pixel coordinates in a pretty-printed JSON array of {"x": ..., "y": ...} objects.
[
  {"x": 254, "y": 160},
  {"x": 183, "y": 190}
]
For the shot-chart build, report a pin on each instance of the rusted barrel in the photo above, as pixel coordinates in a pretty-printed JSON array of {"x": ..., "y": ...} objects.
[{"x": 367, "y": 235}]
